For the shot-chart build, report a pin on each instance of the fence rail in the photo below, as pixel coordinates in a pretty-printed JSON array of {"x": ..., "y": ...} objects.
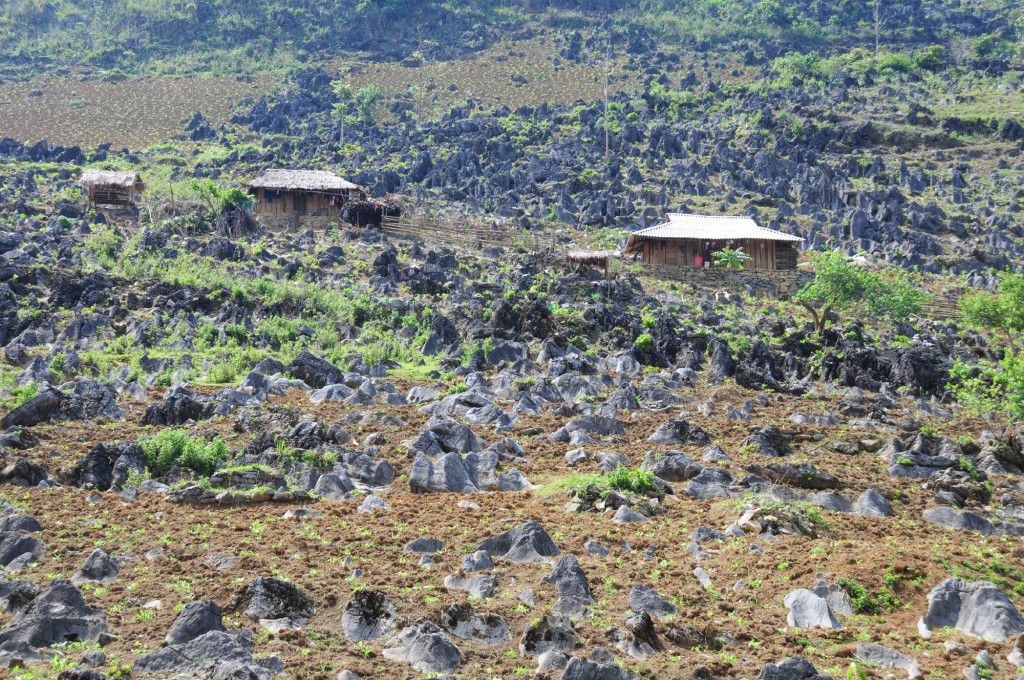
[{"x": 466, "y": 234}]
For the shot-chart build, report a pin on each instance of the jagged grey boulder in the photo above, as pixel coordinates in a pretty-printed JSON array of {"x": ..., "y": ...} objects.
[
  {"x": 59, "y": 614},
  {"x": 474, "y": 473},
  {"x": 809, "y": 610},
  {"x": 20, "y": 523},
  {"x": 679, "y": 432},
  {"x": 14, "y": 544},
  {"x": 274, "y": 603},
  {"x": 426, "y": 648},
  {"x": 644, "y": 599},
  {"x": 553, "y": 632},
  {"x": 886, "y": 657},
  {"x": 571, "y": 583},
  {"x": 196, "y": 618},
  {"x": 627, "y": 515},
  {"x": 371, "y": 504},
  {"x": 594, "y": 547},
  {"x": 443, "y": 434},
  {"x": 526, "y": 543},
  {"x": 581, "y": 669},
  {"x": 978, "y": 608},
  {"x": 477, "y": 561},
  {"x": 331, "y": 393},
  {"x": 99, "y": 567},
  {"x": 334, "y": 486},
  {"x": 479, "y": 585},
  {"x": 314, "y": 371},
  {"x": 873, "y": 504},
  {"x": 672, "y": 466},
  {"x": 965, "y": 520},
  {"x": 214, "y": 654},
  {"x": 793, "y": 668},
  {"x": 424, "y": 545},
  {"x": 462, "y": 622},
  {"x": 369, "y": 615},
  {"x": 16, "y": 595},
  {"x": 638, "y": 639}
]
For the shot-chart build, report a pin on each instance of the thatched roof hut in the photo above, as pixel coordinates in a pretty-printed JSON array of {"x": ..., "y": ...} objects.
[
  {"x": 303, "y": 194},
  {"x": 109, "y": 187},
  {"x": 578, "y": 259}
]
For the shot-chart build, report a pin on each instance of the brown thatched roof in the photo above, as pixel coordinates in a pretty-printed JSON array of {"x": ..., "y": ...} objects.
[
  {"x": 589, "y": 256},
  {"x": 109, "y": 179},
  {"x": 301, "y": 180}
]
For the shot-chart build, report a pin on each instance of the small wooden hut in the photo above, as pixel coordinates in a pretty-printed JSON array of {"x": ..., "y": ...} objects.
[
  {"x": 300, "y": 193},
  {"x": 690, "y": 241},
  {"x": 579, "y": 259},
  {"x": 107, "y": 187}
]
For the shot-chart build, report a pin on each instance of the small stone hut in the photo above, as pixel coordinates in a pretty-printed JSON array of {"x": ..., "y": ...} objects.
[
  {"x": 107, "y": 187},
  {"x": 689, "y": 241},
  {"x": 303, "y": 195}
]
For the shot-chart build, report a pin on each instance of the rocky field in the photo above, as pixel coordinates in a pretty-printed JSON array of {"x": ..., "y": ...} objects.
[
  {"x": 302, "y": 455},
  {"x": 234, "y": 451}
]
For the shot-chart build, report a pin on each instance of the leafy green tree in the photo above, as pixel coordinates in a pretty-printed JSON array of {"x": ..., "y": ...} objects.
[
  {"x": 730, "y": 258},
  {"x": 1002, "y": 311},
  {"x": 366, "y": 98},
  {"x": 343, "y": 91},
  {"x": 841, "y": 286}
]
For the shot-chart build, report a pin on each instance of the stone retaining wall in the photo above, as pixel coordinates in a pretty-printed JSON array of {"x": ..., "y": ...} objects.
[
  {"x": 304, "y": 222},
  {"x": 242, "y": 480},
  {"x": 200, "y": 495},
  {"x": 784, "y": 282}
]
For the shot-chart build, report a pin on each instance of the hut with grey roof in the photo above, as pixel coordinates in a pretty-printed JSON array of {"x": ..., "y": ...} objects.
[
  {"x": 691, "y": 240},
  {"x": 108, "y": 187},
  {"x": 303, "y": 194}
]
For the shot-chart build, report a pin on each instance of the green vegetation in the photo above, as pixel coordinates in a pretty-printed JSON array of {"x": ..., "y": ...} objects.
[
  {"x": 730, "y": 258},
  {"x": 176, "y": 447},
  {"x": 638, "y": 481},
  {"x": 840, "y": 286},
  {"x": 1002, "y": 311}
]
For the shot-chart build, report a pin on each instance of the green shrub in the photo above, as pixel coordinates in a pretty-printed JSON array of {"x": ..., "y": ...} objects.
[
  {"x": 58, "y": 364},
  {"x": 636, "y": 481},
  {"x": 223, "y": 373},
  {"x": 177, "y": 447},
  {"x": 645, "y": 342},
  {"x": 860, "y": 598}
]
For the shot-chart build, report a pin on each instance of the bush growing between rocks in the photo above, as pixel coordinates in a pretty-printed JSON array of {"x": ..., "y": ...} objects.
[
  {"x": 635, "y": 481},
  {"x": 177, "y": 447}
]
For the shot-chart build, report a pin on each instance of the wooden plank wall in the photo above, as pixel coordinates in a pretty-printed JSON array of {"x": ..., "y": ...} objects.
[
  {"x": 684, "y": 253},
  {"x": 285, "y": 204}
]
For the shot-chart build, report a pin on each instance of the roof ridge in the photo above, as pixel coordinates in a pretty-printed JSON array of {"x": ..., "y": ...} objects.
[{"x": 727, "y": 217}]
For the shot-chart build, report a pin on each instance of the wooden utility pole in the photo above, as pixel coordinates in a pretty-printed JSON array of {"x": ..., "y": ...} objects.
[
  {"x": 878, "y": 23},
  {"x": 607, "y": 72}
]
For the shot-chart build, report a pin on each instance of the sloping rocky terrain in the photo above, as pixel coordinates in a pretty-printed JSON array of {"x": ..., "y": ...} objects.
[
  {"x": 301, "y": 455},
  {"x": 228, "y": 451}
]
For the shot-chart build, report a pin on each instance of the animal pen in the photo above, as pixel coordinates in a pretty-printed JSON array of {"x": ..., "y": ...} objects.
[{"x": 107, "y": 187}]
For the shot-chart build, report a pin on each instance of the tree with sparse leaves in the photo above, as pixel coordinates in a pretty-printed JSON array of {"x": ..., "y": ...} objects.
[{"x": 344, "y": 93}]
